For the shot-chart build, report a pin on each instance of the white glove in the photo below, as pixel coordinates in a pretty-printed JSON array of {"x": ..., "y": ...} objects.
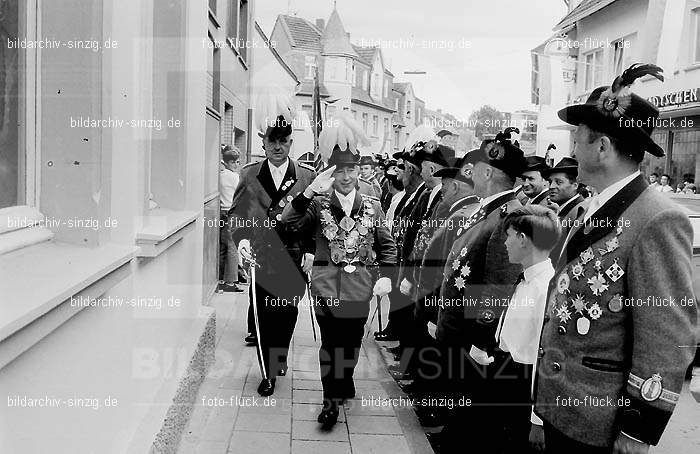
[
  {"x": 480, "y": 356},
  {"x": 244, "y": 248},
  {"x": 695, "y": 384},
  {"x": 307, "y": 262},
  {"x": 432, "y": 329},
  {"x": 405, "y": 287},
  {"x": 382, "y": 287},
  {"x": 321, "y": 183}
]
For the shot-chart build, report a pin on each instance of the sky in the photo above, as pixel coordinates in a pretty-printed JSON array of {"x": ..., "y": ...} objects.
[{"x": 474, "y": 52}]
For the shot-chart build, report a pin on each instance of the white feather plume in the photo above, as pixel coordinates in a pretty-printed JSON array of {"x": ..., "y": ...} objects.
[
  {"x": 342, "y": 131},
  {"x": 271, "y": 102},
  {"x": 422, "y": 133}
]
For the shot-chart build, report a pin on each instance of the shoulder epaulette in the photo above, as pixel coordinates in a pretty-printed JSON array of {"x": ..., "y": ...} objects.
[{"x": 306, "y": 166}]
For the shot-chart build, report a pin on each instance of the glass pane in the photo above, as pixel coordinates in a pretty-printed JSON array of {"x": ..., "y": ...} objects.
[
  {"x": 685, "y": 147},
  {"x": 697, "y": 34},
  {"x": 12, "y": 172}
]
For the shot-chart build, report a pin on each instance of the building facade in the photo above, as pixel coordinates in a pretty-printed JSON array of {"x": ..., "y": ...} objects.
[
  {"x": 108, "y": 227},
  {"x": 602, "y": 38}
]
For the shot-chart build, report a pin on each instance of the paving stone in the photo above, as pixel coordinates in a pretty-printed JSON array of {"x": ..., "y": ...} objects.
[
  {"x": 305, "y": 375},
  {"x": 378, "y": 444},
  {"x": 219, "y": 425},
  {"x": 271, "y": 406},
  {"x": 320, "y": 447},
  {"x": 308, "y": 384},
  {"x": 261, "y": 422},
  {"x": 386, "y": 425},
  {"x": 311, "y": 430},
  {"x": 307, "y": 396},
  {"x": 359, "y": 408},
  {"x": 244, "y": 442}
]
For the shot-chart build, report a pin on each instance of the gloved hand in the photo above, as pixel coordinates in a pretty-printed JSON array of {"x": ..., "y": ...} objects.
[
  {"x": 382, "y": 287},
  {"x": 405, "y": 287},
  {"x": 307, "y": 262},
  {"x": 432, "y": 329},
  {"x": 480, "y": 356},
  {"x": 244, "y": 248},
  {"x": 321, "y": 183}
]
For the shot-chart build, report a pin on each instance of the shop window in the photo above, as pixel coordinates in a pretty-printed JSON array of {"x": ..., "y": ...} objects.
[{"x": 593, "y": 62}]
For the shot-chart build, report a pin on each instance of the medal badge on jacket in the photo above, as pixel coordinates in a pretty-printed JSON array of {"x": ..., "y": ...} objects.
[{"x": 351, "y": 239}]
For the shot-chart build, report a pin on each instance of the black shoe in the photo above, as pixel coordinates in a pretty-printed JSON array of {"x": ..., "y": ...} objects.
[
  {"x": 385, "y": 336},
  {"x": 251, "y": 339},
  {"x": 282, "y": 372},
  {"x": 266, "y": 387},
  {"x": 230, "y": 288},
  {"x": 328, "y": 417}
]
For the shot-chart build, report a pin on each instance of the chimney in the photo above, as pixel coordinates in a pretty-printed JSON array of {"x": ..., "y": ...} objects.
[{"x": 320, "y": 24}]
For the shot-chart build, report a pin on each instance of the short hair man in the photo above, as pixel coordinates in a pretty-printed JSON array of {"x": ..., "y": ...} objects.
[
  {"x": 665, "y": 185},
  {"x": 535, "y": 186}
]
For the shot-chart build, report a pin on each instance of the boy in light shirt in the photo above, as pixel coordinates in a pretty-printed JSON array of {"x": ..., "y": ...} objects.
[{"x": 532, "y": 231}]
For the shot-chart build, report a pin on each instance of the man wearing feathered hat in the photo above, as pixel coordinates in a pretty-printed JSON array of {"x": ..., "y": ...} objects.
[
  {"x": 616, "y": 319},
  {"x": 355, "y": 258},
  {"x": 265, "y": 188},
  {"x": 478, "y": 278}
]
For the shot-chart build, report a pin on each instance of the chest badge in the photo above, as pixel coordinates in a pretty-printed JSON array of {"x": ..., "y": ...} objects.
[
  {"x": 349, "y": 268},
  {"x": 579, "y": 303},
  {"x": 563, "y": 283},
  {"x": 577, "y": 270},
  {"x": 615, "y": 272},
  {"x": 651, "y": 389},
  {"x": 595, "y": 311},
  {"x": 615, "y": 303},
  {"x": 587, "y": 255},
  {"x": 563, "y": 313},
  {"x": 583, "y": 325},
  {"x": 597, "y": 284}
]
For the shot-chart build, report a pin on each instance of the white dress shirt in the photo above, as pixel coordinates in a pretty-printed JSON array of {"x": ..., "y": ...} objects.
[
  {"x": 278, "y": 172},
  {"x": 607, "y": 194},
  {"x": 228, "y": 180},
  {"x": 567, "y": 203},
  {"x": 346, "y": 201}
]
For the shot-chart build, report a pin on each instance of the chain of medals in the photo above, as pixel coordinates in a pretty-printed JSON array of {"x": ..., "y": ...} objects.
[
  {"x": 350, "y": 240},
  {"x": 567, "y": 306},
  {"x": 460, "y": 266}
]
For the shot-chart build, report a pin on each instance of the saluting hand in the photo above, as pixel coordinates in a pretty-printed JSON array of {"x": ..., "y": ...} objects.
[
  {"x": 626, "y": 445},
  {"x": 321, "y": 183},
  {"x": 405, "y": 287},
  {"x": 382, "y": 287}
]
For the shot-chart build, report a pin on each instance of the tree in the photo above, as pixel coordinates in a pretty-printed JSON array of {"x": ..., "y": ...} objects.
[{"x": 486, "y": 120}]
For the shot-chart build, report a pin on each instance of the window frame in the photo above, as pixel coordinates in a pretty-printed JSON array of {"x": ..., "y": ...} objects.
[{"x": 695, "y": 50}]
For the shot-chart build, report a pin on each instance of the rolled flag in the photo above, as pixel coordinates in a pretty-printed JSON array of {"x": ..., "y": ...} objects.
[
  {"x": 274, "y": 107},
  {"x": 341, "y": 131}
]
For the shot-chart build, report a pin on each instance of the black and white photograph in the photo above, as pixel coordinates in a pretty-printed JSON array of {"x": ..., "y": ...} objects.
[{"x": 349, "y": 227}]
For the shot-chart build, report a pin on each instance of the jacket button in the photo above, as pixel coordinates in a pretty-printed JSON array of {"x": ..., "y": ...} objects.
[
  {"x": 546, "y": 318},
  {"x": 540, "y": 352},
  {"x": 556, "y": 367},
  {"x": 562, "y": 329}
]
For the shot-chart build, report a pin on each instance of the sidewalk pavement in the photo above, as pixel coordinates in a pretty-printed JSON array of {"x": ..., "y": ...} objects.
[{"x": 230, "y": 417}]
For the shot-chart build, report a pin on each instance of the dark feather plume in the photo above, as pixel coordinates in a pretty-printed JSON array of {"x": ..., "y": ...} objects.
[{"x": 633, "y": 73}]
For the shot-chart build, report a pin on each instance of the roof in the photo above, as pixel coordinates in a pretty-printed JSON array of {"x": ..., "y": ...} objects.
[
  {"x": 583, "y": 10},
  {"x": 401, "y": 86},
  {"x": 362, "y": 96},
  {"x": 302, "y": 33},
  {"x": 335, "y": 40},
  {"x": 366, "y": 53},
  {"x": 276, "y": 54},
  {"x": 307, "y": 88}
]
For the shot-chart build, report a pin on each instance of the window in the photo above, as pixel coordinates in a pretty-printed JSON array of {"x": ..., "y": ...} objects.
[
  {"x": 17, "y": 72},
  {"x": 594, "y": 69},
  {"x": 213, "y": 68},
  {"x": 386, "y": 127},
  {"x": 364, "y": 80},
  {"x": 354, "y": 75},
  {"x": 354, "y": 114},
  {"x": 396, "y": 139},
  {"x": 386, "y": 87},
  {"x": 408, "y": 108},
  {"x": 364, "y": 121},
  {"x": 696, "y": 48},
  {"x": 375, "y": 125},
  {"x": 309, "y": 66},
  {"x": 212, "y": 6},
  {"x": 618, "y": 56},
  {"x": 238, "y": 26},
  {"x": 376, "y": 86},
  {"x": 227, "y": 133}
]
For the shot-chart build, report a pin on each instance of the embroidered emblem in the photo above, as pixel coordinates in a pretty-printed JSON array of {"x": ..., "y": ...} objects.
[
  {"x": 466, "y": 271},
  {"x": 587, "y": 255},
  {"x": 455, "y": 264},
  {"x": 579, "y": 303},
  {"x": 583, "y": 325},
  {"x": 595, "y": 311},
  {"x": 619, "y": 230},
  {"x": 652, "y": 388},
  {"x": 563, "y": 283},
  {"x": 615, "y": 272},
  {"x": 289, "y": 198},
  {"x": 347, "y": 223},
  {"x": 487, "y": 316},
  {"x": 615, "y": 303},
  {"x": 612, "y": 244},
  {"x": 577, "y": 270},
  {"x": 463, "y": 252},
  {"x": 598, "y": 265},
  {"x": 597, "y": 284}
]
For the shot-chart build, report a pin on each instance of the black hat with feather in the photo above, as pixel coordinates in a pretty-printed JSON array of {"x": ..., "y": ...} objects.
[{"x": 618, "y": 112}]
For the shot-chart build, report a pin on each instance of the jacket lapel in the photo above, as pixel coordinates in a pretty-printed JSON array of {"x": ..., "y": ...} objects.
[
  {"x": 265, "y": 178},
  {"x": 336, "y": 208},
  {"x": 539, "y": 198},
  {"x": 605, "y": 219},
  {"x": 569, "y": 206},
  {"x": 290, "y": 177}
]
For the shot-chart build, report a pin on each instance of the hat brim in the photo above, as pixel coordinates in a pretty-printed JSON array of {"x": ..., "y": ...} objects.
[
  {"x": 590, "y": 116},
  {"x": 563, "y": 169}
]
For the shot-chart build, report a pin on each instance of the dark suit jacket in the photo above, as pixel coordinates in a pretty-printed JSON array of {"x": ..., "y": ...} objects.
[
  {"x": 633, "y": 329},
  {"x": 330, "y": 280},
  {"x": 568, "y": 213},
  {"x": 255, "y": 214},
  {"x": 419, "y": 220},
  {"x": 469, "y": 315}
]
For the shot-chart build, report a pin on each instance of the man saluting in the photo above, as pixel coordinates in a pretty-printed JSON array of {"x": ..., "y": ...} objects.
[
  {"x": 265, "y": 188},
  {"x": 353, "y": 248}
]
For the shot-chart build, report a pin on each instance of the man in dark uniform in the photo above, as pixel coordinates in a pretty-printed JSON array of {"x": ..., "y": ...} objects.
[
  {"x": 478, "y": 279},
  {"x": 563, "y": 191},
  {"x": 264, "y": 190},
  {"x": 611, "y": 363},
  {"x": 401, "y": 306},
  {"x": 535, "y": 187},
  {"x": 353, "y": 248}
]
